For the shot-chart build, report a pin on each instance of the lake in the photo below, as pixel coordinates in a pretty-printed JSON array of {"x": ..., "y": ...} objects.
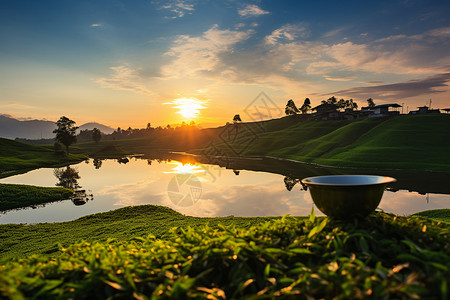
[{"x": 198, "y": 187}]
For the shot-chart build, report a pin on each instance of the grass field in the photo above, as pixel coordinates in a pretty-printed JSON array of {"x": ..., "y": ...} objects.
[
  {"x": 442, "y": 215},
  {"x": 405, "y": 142},
  {"x": 18, "y": 240},
  {"x": 15, "y": 156},
  {"x": 156, "y": 253},
  {"x": 18, "y": 195}
]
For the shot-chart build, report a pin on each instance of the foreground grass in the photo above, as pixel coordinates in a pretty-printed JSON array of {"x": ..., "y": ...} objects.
[
  {"x": 435, "y": 214},
  {"x": 18, "y": 195},
  {"x": 20, "y": 240},
  {"x": 19, "y": 156},
  {"x": 382, "y": 257}
]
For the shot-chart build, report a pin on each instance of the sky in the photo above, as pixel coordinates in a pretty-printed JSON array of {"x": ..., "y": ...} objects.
[{"x": 129, "y": 63}]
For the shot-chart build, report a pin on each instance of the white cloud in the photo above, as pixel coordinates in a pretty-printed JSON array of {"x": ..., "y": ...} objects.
[
  {"x": 124, "y": 78},
  {"x": 178, "y": 7},
  {"x": 96, "y": 25},
  {"x": 288, "y": 32},
  {"x": 197, "y": 54},
  {"x": 285, "y": 61},
  {"x": 16, "y": 106},
  {"x": 252, "y": 10}
]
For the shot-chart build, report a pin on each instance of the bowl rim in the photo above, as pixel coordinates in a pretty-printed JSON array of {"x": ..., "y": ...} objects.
[{"x": 386, "y": 180}]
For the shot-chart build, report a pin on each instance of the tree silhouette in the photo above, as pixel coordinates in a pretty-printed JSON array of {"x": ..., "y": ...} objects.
[
  {"x": 370, "y": 103},
  {"x": 66, "y": 132},
  {"x": 237, "y": 118},
  {"x": 331, "y": 100},
  {"x": 306, "y": 106},
  {"x": 291, "y": 108},
  {"x": 96, "y": 135}
]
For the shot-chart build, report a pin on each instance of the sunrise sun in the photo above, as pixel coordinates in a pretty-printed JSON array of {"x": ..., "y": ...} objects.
[{"x": 189, "y": 108}]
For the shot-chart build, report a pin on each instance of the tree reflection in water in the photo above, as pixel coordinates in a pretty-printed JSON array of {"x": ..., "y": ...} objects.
[
  {"x": 68, "y": 178},
  {"x": 236, "y": 172},
  {"x": 123, "y": 160},
  {"x": 291, "y": 182},
  {"x": 97, "y": 163}
]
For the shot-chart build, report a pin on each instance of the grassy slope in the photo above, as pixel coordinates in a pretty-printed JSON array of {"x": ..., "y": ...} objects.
[
  {"x": 125, "y": 223},
  {"x": 416, "y": 141},
  {"x": 381, "y": 257},
  {"x": 18, "y": 195},
  {"x": 19, "y": 156},
  {"x": 406, "y": 142},
  {"x": 442, "y": 215}
]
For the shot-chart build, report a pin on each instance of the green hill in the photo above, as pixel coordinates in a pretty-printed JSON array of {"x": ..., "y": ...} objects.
[
  {"x": 405, "y": 142},
  {"x": 19, "y": 156}
]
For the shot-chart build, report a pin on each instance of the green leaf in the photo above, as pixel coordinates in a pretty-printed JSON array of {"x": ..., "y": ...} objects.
[
  {"x": 312, "y": 216},
  {"x": 363, "y": 245},
  {"x": 300, "y": 251},
  {"x": 267, "y": 271},
  {"x": 318, "y": 228}
]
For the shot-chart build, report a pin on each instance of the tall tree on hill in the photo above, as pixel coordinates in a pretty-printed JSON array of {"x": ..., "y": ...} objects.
[
  {"x": 291, "y": 108},
  {"x": 331, "y": 100},
  {"x": 306, "y": 106},
  {"x": 96, "y": 135},
  {"x": 370, "y": 103},
  {"x": 351, "y": 104},
  {"x": 66, "y": 132}
]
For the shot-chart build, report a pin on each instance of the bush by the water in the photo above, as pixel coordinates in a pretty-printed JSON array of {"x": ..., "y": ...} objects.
[
  {"x": 19, "y": 195},
  {"x": 382, "y": 257}
]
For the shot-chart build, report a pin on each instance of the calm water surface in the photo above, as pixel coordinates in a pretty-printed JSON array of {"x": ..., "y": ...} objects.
[{"x": 195, "y": 189}]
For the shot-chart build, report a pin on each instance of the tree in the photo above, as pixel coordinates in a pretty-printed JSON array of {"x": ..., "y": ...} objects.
[
  {"x": 237, "y": 118},
  {"x": 306, "y": 106},
  {"x": 66, "y": 132},
  {"x": 96, "y": 135},
  {"x": 291, "y": 108},
  {"x": 342, "y": 104},
  {"x": 352, "y": 104},
  {"x": 331, "y": 100},
  {"x": 370, "y": 103}
]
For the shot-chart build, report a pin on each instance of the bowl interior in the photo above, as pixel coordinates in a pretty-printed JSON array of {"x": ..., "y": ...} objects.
[{"x": 348, "y": 180}]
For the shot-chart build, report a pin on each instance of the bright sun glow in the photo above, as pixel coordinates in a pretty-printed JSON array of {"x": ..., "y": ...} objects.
[
  {"x": 189, "y": 108},
  {"x": 185, "y": 168}
]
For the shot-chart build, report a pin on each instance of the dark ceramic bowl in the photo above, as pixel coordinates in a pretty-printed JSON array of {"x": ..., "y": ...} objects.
[{"x": 347, "y": 196}]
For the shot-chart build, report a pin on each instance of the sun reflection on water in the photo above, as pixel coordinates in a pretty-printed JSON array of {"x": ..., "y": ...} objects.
[{"x": 186, "y": 168}]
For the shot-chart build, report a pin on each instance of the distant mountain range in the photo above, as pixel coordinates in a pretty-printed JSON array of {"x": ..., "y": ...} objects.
[
  {"x": 101, "y": 127},
  {"x": 11, "y": 128}
]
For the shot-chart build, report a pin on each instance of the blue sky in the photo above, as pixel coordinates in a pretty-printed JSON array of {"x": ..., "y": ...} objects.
[{"x": 126, "y": 62}]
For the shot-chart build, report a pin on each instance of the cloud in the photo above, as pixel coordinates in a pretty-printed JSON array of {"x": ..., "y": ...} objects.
[
  {"x": 17, "y": 106},
  {"x": 286, "y": 61},
  {"x": 138, "y": 193},
  {"x": 124, "y": 78},
  {"x": 288, "y": 32},
  {"x": 429, "y": 85},
  {"x": 178, "y": 7},
  {"x": 195, "y": 55},
  {"x": 96, "y": 25},
  {"x": 252, "y": 10},
  {"x": 339, "y": 78}
]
